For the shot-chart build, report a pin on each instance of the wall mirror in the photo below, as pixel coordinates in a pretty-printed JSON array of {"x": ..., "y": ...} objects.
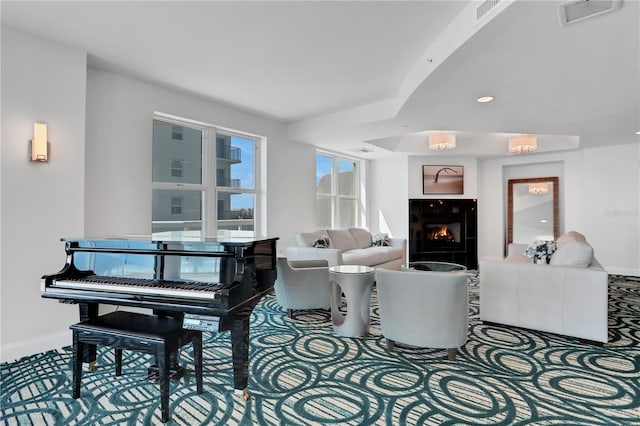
[{"x": 532, "y": 210}]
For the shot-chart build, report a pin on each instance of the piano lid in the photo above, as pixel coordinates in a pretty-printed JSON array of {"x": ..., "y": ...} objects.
[{"x": 151, "y": 241}]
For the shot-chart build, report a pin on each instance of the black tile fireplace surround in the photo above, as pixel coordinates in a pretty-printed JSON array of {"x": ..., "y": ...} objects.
[{"x": 444, "y": 230}]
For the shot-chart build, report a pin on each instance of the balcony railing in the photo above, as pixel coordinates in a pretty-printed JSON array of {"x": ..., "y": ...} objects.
[
  {"x": 229, "y": 153},
  {"x": 233, "y": 183}
]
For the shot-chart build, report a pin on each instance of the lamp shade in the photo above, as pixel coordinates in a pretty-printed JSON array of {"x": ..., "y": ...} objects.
[
  {"x": 39, "y": 151},
  {"x": 442, "y": 141},
  {"x": 522, "y": 144}
]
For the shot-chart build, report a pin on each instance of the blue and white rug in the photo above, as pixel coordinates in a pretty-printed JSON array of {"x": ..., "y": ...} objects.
[{"x": 301, "y": 373}]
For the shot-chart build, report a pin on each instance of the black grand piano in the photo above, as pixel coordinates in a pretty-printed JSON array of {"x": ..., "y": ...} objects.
[{"x": 212, "y": 284}]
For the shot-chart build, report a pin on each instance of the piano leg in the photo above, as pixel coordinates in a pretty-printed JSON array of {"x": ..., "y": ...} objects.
[
  {"x": 89, "y": 311},
  {"x": 240, "y": 355}
]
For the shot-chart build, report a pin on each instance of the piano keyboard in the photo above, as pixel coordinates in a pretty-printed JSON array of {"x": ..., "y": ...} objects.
[{"x": 178, "y": 289}]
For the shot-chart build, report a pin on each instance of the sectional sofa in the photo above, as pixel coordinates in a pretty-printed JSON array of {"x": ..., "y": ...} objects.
[
  {"x": 352, "y": 246},
  {"x": 568, "y": 296}
]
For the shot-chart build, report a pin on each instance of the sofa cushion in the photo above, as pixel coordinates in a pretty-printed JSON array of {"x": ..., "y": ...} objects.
[
  {"x": 573, "y": 253},
  {"x": 372, "y": 256},
  {"x": 361, "y": 236},
  {"x": 341, "y": 239},
  {"x": 306, "y": 239}
]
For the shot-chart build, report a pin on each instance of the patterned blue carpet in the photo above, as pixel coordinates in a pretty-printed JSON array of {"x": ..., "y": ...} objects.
[{"x": 301, "y": 373}]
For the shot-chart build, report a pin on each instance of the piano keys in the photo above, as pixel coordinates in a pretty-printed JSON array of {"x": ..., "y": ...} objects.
[{"x": 212, "y": 284}]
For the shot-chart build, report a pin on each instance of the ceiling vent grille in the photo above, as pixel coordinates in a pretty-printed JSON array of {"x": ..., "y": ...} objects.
[
  {"x": 485, "y": 7},
  {"x": 575, "y": 11}
]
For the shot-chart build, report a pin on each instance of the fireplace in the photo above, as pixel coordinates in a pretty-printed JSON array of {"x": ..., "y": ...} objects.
[{"x": 443, "y": 230}]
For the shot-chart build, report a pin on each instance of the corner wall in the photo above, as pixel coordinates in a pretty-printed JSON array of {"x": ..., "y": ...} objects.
[{"x": 41, "y": 202}]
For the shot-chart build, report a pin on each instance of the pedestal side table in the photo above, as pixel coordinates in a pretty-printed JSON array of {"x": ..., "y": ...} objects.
[{"x": 355, "y": 281}]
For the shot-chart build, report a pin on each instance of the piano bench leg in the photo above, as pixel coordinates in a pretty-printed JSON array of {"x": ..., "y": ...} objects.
[
  {"x": 196, "y": 341},
  {"x": 78, "y": 351},
  {"x": 118, "y": 361}
]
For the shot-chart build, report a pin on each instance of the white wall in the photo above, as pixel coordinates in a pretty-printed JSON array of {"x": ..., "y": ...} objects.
[
  {"x": 470, "y": 185},
  {"x": 41, "y": 202},
  {"x": 600, "y": 193},
  {"x": 388, "y": 191},
  {"x": 119, "y": 136}
]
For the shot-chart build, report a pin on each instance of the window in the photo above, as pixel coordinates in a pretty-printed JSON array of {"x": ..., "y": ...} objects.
[
  {"x": 176, "y": 133},
  {"x": 176, "y": 205},
  {"x": 337, "y": 192},
  {"x": 176, "y": 168},
  {"x": 206, "y": 185},
  {"x": 235, "y": 175}
]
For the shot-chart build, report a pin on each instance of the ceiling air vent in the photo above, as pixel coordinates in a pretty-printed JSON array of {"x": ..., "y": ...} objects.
[
  {"x": 485, "y": 7},
  {"x": 364, "y": 150},
  {"x": 575, "y": 11}
]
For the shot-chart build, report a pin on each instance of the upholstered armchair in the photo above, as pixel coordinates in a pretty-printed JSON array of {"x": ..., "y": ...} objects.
[
  {"x": 424, "y": 309},
  {"x": 302, "y": 284}
]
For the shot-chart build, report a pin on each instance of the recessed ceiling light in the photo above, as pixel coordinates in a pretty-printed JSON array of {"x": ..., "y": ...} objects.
[
  {"x": 638, "y": 132},
  {"x": 484, "y": 99}
]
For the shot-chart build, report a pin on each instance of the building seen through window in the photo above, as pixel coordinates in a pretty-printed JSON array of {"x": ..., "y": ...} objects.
[{"x": 188, "y": 204}]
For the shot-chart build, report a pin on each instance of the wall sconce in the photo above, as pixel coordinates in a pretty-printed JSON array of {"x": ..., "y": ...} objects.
[
  {"x": 442, "y": 141},
  {"x": 39, "y": 145},
  {"x": 522, "y": 144}
]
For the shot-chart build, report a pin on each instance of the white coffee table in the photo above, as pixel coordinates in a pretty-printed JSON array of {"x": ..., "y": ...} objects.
[{"x": 355, "y": 281}]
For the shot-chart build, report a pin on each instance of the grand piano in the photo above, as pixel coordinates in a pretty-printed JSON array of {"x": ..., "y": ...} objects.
[{"x": 212, "y": 284}]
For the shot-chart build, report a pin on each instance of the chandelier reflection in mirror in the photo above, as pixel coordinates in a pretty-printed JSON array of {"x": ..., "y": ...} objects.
[{"x": 538, "y": 188}]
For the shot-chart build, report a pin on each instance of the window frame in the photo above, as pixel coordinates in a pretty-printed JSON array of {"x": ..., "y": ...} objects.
[
  {"x": 335, "y": 197},
  {"x": 208, "y": 186}
]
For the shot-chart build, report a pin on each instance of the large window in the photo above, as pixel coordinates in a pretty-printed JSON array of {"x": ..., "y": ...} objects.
[
  {"x": 204, "y": 181},
  {"x": 337, "y": 192}
]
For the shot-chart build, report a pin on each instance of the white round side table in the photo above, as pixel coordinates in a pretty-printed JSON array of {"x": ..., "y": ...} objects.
[{"x": 355, "y": 281}]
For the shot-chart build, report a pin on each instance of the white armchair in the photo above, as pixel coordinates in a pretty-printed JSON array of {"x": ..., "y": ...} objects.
[
  {"x": 424, "y": 309},
  {"x": 302, "y": 284}
]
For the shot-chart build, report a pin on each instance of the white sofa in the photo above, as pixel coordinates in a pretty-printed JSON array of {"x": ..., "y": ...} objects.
[
  {"x": 353, "y": 246},
  {"x": 568, "y": 296}
]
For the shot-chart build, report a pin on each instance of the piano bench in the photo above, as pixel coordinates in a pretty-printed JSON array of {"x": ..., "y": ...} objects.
[{"x": 160, "y": 336}]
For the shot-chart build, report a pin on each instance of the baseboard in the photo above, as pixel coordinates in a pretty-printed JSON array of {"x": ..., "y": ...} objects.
[
  {"x": 17, "y": 350},
  {"x": 623, "y": 271}
]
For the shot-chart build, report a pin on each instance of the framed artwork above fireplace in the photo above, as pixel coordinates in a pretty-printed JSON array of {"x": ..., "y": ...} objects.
[{"x": 442, "y": 179}]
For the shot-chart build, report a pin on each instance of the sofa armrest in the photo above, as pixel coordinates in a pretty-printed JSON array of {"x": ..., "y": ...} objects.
[
  {"x": 332, "y": 256},
  {"x": 400, "y": 242}
]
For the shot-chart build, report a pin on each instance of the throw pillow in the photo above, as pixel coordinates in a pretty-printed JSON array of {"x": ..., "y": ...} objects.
[
  {"x": 381, "y": 240},
  {"x": 573, "y": 253},
  {"x": 540, "y": 251},
  {"x": 322, "y": 242}
]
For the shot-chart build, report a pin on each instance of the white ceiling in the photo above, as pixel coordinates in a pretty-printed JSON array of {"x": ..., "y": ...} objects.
[{"x": 381, "y": 75}]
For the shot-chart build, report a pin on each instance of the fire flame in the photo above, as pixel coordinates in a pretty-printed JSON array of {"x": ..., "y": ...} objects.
[{"x": 442, "y": 232}]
